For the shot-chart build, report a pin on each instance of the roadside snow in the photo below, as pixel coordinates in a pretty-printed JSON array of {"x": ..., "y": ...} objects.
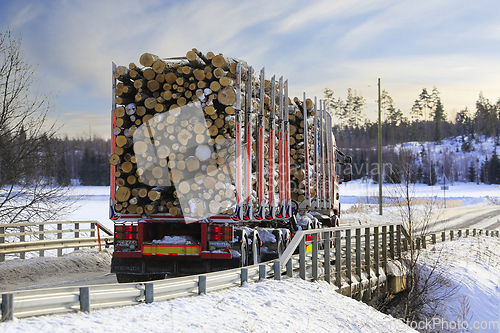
[
  {"x": 473, "y": 265},
  {"x": 17, "y": 274},
  {"x": 188, "y": 240},
  {"x": 291, "y": 305}
]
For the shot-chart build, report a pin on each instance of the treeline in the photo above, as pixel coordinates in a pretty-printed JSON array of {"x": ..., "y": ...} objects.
[
  {"x": 464, "y": 158},
  {"x": 58, "y": 161}
]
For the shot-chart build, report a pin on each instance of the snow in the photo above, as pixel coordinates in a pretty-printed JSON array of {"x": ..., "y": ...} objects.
[
  {"x": 293, "y": 305},
  {"x": 173, "y": 240},
  {"x": 473, "y": 265},
  {"x": 290, "y": 305}
]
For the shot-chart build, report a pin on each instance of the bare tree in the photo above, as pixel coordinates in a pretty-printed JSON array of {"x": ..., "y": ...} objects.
[
  {"x": 28, "y": 190},
  {"x": 424, "y": 296}
]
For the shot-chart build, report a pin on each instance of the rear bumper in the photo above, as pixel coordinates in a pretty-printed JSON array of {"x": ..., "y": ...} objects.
[{"x": 173, "y": 265}]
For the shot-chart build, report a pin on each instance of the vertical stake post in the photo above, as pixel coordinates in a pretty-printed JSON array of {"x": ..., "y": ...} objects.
[
  {"x": 149, "y": 292},
  {"x": 85, "y": 299},
  {"x": 202, "y": 284},
  {"x": 302, "y": 258},
  {"x": 277, "y": 270},
  {"x": 7, "y": 307}
]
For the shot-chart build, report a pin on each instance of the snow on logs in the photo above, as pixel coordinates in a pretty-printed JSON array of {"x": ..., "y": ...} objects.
[{"x": 174, "y": 129}]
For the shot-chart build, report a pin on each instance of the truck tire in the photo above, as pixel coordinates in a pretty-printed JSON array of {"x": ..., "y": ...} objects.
[
  {"x": 280, "y": 246},
  {"x": 255, "y": 253},
  {"x": 126, "y": 278},
  {"x": 244, "y": 253}
]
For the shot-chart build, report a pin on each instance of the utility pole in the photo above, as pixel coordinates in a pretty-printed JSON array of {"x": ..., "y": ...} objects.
[{"x": 379, "y": 150}]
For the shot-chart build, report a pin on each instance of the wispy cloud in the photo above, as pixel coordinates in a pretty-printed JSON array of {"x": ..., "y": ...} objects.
[{"x": 452, "y": 44}]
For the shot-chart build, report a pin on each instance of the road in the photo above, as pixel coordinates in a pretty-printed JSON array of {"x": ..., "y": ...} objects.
[{"x": 472, "y": 216}]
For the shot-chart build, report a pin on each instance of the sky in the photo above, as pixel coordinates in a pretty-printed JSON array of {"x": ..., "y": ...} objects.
[{"x": 450, "y": 44}]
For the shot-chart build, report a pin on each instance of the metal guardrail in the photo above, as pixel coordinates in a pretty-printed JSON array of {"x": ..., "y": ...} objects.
[
  {"x": 81, "y": 237},
  {"x": 344, "y": 259}
]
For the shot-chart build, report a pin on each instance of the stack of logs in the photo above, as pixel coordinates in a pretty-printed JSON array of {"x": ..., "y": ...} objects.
[
  {"x": 297, "y": 151},
  {"x": 174, "y": 134}
]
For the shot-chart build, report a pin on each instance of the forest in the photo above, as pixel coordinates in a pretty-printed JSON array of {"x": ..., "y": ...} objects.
[
  {"x": 85, "y": 161},
  {"x": 462, "y": 158}
]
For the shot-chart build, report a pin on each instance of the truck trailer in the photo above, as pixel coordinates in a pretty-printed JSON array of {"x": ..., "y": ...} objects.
[{"x": 213, "y": 166}]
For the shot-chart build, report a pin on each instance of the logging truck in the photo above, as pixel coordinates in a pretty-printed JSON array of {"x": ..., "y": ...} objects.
[{"x": 213, "y": 166}]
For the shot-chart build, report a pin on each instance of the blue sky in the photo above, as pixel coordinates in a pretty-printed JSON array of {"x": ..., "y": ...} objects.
[{"x": 453, "y": 45}]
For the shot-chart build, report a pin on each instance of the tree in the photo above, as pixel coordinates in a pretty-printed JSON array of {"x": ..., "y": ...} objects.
[
  {"x": 28, "y": 190},
  {"x": 494, "y": 169},
  {"x": 486, "y": 117},
  {"x": 424, "y": 290},
  {"x": 348, "y": 112},
  {"x": 472, "y": 173},
  {"x": 62, "y": 175},
  {"x": 439, "y": 117}
]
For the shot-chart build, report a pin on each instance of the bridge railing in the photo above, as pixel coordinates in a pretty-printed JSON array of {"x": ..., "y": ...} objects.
[
  {"x": 355, "y": 259},
  {"x": 51, "y": 235}
]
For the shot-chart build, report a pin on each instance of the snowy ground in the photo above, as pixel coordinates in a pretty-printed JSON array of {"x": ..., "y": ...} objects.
[
  {"x": 268, "y": 306},
  {"x": 293, "y": 305},
  {"x": 286, "y": 306},
  {"x": 473, "y": 265}
]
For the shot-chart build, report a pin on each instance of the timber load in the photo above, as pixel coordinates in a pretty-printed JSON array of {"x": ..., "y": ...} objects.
[{"x": 181, "y": 146}]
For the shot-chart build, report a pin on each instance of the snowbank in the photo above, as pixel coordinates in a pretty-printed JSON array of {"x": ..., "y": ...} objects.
[
  {"x": 473, "y": 265},
  {"x": 291, "y": 305}
]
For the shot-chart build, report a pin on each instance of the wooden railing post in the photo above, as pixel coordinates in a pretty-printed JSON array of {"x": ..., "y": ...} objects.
[
  {"x": 326, "y": 262},
  {"x": 59, "y": 236},
  {"x": 433, "y": 237},
  {"x": 315, "y": 257},
  {"x": 358, "y": 260},
  {"x": 41, "y": 237},
  {"x": 338, "y": 260},
  {"x": 2, "y": 241},
  {"x": 398, "y": 240},
  {"x": 443, "y": 236},
  {"x": 384, "y": 256},
  {"x": 376, "y": 259},
  {"x": 22, "y": 238},
  {"x": 348, "y": 262},
  {"x": 92, "y": 233},
  {"x": 391, "y": 242},
  {"x": 405, "y": 245},
  {"x": 77, "y": 233},
  {"x": 368, "y": 292}
]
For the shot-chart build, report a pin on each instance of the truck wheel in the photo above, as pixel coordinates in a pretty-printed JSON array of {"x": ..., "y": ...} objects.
[
  {"x": 280, "y": 244},
  {"x": 125, "y": 278},
  {"x": 255, "y": 250},
  {"x": 281, "y": 247},
  {"x": 244, "y": 253}
]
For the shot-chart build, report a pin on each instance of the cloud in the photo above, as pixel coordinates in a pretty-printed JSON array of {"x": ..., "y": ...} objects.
[{"x": 27, "y": 14}]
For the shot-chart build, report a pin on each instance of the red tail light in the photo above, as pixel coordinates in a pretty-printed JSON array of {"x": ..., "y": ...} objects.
[
  {"x": 126, "y": 232},
  {"x": 216, "y": 233},
  {"x": 309, "y": 238}
]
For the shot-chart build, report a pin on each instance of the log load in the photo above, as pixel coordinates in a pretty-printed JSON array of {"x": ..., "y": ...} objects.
[{"x": 174, "y": 128}]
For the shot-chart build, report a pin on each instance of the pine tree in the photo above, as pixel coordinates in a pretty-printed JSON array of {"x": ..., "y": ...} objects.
[
  {"x": 62, "y": 172},
  {"x": 439, "y": 117},
  {"x": 472, "y": 173},
  {"x": 494, "y": 169}
]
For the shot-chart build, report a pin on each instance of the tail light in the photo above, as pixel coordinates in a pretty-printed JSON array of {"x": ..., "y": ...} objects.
[
  {"x": 126, "y": 232},
  {"x": 216, "y": 233},
  {"x": 309, "y": 238}
]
